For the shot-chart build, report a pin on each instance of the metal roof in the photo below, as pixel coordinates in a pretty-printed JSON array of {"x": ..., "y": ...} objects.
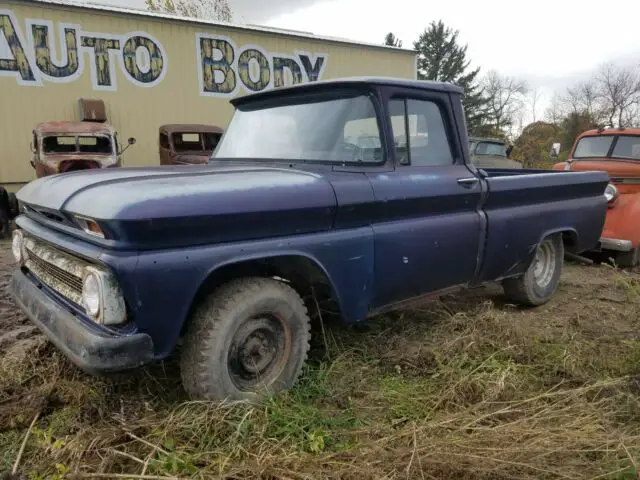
[
  {"x": 75, "y": 128},
  {"x": 227, "y": 25},
  {"x": 350, "y": 81},
  {"x": 190, "y": 128}
]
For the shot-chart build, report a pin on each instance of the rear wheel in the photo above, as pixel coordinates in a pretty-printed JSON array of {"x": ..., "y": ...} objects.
[
  {"x": 249, "y": 338},
  {"x": 540, "y": 282}
]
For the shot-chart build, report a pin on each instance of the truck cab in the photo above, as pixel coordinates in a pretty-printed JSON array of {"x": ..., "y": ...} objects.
[
  {"x": 491, "y": 153},
  {"x": 59, "y": 147},
  {"x": 616, "y": 152},
  {"x": 182, "y": 144}
]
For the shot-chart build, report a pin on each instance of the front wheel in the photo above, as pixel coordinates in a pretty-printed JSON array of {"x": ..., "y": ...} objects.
[
  {"x": 540, "y": 282},
  {"x": 249, "y": 338}
]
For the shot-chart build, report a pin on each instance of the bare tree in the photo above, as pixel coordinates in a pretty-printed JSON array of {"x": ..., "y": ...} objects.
[
  {"x": 584, "y": 98},
  {"x": 556, "y": 111},
  {"x": 505, "y": 98},
  {"x": 533, "y": 99},
  {"x": 218, "y": 10},
  {"x": 619, "y": 89}
]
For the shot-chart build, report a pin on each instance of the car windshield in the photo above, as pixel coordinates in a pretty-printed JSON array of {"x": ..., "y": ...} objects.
[
  {"x": 491, "y": 148},
  {"x": 338, "y": 130},
  {"x": 597, "y": 146},
  {"x": 77, "y": 144},
  {"x": 627, "y": 147}
]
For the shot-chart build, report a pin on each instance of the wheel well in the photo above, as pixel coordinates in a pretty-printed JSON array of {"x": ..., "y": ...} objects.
[
  {"x": 570, "y": 241},
  {"x": 302, "y": 273}
]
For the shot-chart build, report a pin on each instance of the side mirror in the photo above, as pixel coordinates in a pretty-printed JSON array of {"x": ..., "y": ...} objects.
[
  {"x": 130, "y": 141},
  {"x": 555, "y": 150},
  {"x": 509, "y": 150}
]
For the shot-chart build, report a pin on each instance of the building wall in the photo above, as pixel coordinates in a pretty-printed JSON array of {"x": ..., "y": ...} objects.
[{"x": 149, "y": 71}]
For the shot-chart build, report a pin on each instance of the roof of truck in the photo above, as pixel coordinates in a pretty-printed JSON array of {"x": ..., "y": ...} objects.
[
  {"x": 64, "y": 127},
  {"x": 486, "y": 139},
  {"x": 190, "y": 128},
  {"x": 612, "y": 131},
  {"x": 351, "y": 81}
]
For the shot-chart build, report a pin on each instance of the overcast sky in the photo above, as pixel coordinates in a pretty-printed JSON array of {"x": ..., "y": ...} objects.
[{"x": 550, "y": 43}]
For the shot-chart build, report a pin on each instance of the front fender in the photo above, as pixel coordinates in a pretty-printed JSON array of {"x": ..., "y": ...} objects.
[
  {"x": 622, "y": 219},
  {"x": 168, "y": 281}
]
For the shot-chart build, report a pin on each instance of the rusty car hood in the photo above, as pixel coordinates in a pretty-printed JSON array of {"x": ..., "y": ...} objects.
[{"x": 211, "y": 202}]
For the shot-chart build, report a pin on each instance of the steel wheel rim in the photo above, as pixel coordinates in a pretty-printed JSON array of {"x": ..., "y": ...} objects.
[
  {"x": 544, "y": 264},
  {"x": 259, "y": 351}
]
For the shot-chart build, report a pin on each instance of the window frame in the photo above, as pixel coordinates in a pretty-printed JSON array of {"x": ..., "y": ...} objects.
[
  {"x": 373, "y": 94},
  {"x": 440, "y": 100}
]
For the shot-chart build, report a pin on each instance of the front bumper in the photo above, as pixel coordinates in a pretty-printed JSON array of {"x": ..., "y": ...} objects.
[
  {"x": 90, "y": 348},
  {"x": 615, "y": 244}
]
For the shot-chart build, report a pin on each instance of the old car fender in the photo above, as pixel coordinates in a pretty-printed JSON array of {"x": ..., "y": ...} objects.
[
  {"x": 622, "y": 219},
  {"x": 269, "y": 256}
]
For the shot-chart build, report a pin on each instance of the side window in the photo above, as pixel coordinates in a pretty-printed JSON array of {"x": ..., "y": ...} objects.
[
  {"x": 419, "y": 133},
  {"x": 164, "y": 141}
]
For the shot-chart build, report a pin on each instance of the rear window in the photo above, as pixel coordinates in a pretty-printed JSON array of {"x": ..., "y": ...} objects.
[
  {"x": 627, "y": 147},
  {"x": 185, "y": 142},
  {"x": 94, "y": 144},
  {"x": 491, "y": 148},
  {"x": 73, "y": 144},
  {"x": 593, "y": 146}
]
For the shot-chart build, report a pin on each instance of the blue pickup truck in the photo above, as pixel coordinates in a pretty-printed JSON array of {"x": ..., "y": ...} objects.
[{"x": 357, "y": 191}]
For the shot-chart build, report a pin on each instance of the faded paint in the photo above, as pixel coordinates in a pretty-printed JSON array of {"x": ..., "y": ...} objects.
[
  {"x": 208, "y": 138},
  {"x": 152, "y": 69},
  {"x": 49, "y": 163}
]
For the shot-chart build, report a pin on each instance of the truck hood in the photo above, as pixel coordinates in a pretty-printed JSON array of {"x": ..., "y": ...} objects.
[
  {"x": 187, "y": 204},
  {"x": 615, "y": 168}
]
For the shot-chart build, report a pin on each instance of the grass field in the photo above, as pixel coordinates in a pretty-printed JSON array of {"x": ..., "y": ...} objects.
[{"x": 467, "y": 387}]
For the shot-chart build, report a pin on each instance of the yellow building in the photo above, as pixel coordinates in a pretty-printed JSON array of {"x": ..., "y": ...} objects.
[{"x": 151, "y": 69}]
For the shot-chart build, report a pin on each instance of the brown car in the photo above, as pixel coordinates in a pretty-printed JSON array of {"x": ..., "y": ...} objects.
[
  {"x": 59, "y": 147},
  {"x": 182, "y": 144}
]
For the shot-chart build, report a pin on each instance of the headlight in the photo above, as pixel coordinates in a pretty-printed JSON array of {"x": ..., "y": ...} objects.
[
  {"x": 92, "y": 294},
  {"x": 16, "y": 245},
  {"x": 610, "y": 193},
  {"x": 102, "y": 298}
]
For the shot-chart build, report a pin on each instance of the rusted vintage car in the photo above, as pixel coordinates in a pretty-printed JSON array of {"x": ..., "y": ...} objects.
[
  {"x": 182, "y": 144},
  {"x": 491, "y": 153},
  {"x": 617, "y": 152},
  {"x": 59, "y": 147}
]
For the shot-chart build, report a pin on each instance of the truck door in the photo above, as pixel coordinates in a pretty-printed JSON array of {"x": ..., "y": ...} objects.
[{"x": 427, "y": 229}]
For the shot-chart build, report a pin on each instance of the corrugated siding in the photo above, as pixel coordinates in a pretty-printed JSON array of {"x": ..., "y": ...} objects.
[{"x": 138, "y": 111}]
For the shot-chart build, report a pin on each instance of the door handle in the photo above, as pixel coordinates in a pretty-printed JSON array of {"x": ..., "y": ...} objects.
[{"x": 468, "y": 182}]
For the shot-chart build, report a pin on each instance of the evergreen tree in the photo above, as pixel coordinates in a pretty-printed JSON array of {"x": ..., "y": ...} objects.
[
  {"x": 441, "y": 58},
  {"x": 392, "y": 41}
]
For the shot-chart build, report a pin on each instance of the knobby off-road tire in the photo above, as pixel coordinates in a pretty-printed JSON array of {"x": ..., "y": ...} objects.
[
  {"x": 248, "y": 338},
  {"x": 540, "y": 282}
]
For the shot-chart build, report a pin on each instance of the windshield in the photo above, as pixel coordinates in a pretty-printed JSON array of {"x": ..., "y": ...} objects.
[
  {"x": 337, "y": 130},
  {"x": 491, "y": 148},
  {"x": 77, "y": 144},
  {"x": 628, "y": 147},
  {"x": 593, "y": 146}
]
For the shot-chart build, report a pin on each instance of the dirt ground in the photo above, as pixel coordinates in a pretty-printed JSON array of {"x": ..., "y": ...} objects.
[{"x": 466, "y": 387}]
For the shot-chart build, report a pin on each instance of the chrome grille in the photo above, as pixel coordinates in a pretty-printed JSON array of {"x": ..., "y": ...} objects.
[{"x": 57, "y": 270}]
